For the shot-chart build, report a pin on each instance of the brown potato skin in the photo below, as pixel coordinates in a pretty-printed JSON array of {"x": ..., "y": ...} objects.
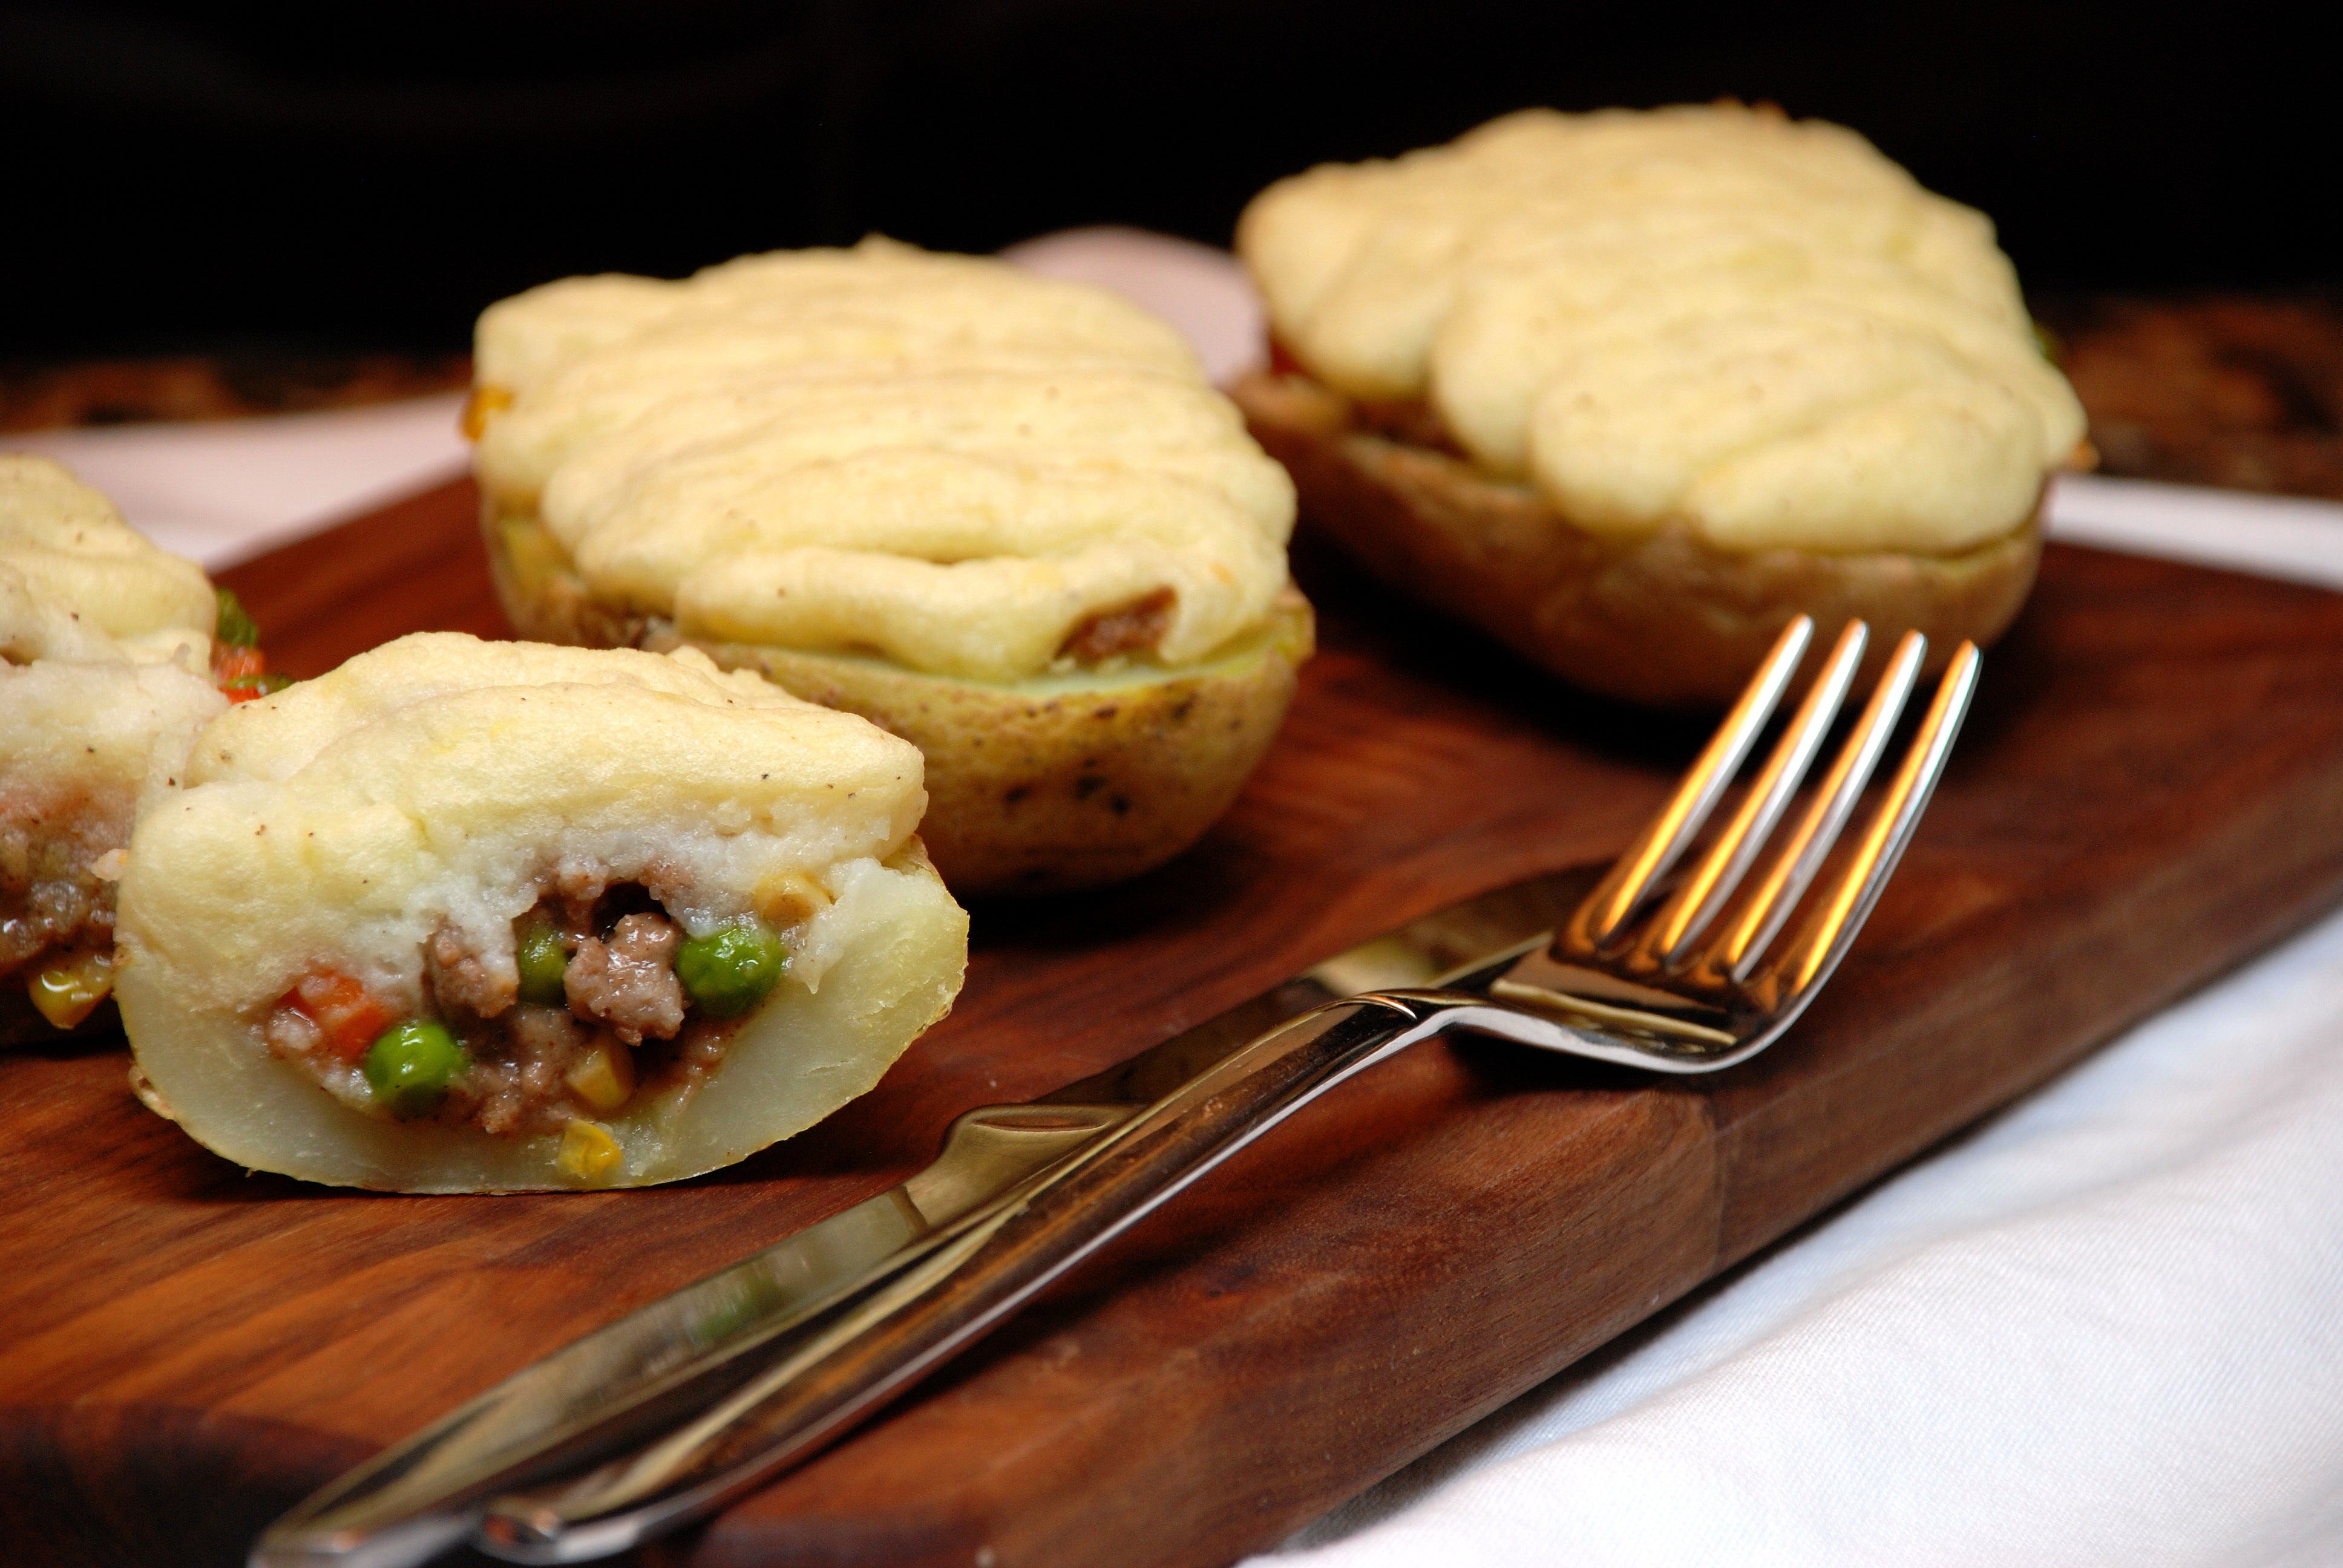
[
  {"x": 1029, "y": 789},
  {"x": 1666, "y": 620}
]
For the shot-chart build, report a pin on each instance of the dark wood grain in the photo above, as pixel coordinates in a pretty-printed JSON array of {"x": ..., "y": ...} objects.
[
  {"x": 2242, "y": 391},
  {"x": 2151, "y": 788},
  {"x": 257, "y": 379}
]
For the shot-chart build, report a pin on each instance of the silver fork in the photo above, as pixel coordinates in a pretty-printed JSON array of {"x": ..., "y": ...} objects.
[
  {"x": 1628, "y": 982},
  {"x": 666, "y": 1415}
]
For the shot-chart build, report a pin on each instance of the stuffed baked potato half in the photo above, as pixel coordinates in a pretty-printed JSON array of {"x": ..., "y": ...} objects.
[
  {"x": 465, "y": 916},
  {"x": 1003, "y": 517},
  {"x": 1055, "y": 782},
  {"x": 1632, "y": 390},
  {"x": 113, "y": 655}
]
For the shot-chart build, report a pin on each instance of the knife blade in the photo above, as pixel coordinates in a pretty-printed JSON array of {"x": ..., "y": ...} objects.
[{"x": 673, "y": 1411}]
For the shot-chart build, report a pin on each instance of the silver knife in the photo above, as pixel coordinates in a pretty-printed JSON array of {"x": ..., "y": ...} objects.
[{"x": 671, "y": 1412}]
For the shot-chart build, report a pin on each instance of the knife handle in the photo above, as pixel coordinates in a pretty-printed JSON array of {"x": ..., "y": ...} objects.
[{"x": 853, "y": 1355}]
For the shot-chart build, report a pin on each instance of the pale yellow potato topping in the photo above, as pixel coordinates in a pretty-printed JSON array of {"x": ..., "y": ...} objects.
[
  {"x": 938, "y": 459},
  {"x": 439, "y": 778},
  {"x": 70, "y": 548},
  {"x": 87, "y": 718},
  {"x": 1757, "y": 328},
  {"x": 105, "y": 654}
]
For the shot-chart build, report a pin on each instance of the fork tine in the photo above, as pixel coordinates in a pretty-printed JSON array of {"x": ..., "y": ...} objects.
[
  {"x": 1824, "y": 938},
  {"x": 1736, "y": 953},
  {"x": 1664, "y": 837},
  {"x": 1695, "y": 903}
]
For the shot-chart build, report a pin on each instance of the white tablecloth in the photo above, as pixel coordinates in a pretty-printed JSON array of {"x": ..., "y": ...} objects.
[{"x": 2106, "y": 1327}]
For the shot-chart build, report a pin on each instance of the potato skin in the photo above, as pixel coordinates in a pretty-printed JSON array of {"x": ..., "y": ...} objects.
[
  {"x": 1667, "y": 619},
  {"x": 1040, "y": 786}
]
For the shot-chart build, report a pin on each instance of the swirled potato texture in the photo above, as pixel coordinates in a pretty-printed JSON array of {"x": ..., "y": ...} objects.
[
  {"x": 105, "y": 644},
  {"x": 65, "y": 548},
  {"x": 1757, "y": 328},
  {"x": 940, "y": 459}
]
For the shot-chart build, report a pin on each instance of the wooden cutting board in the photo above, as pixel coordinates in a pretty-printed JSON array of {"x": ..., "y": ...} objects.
[{"x": 2149, "y": 789}]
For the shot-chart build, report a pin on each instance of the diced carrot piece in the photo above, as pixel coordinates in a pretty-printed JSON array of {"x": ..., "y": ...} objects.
[{"x": 347, "y": 1014}]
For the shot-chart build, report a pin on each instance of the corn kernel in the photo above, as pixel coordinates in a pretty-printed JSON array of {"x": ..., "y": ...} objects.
[
  {"x": 68, "y": 992},
  {"x": 590, "y": 1155},
  {"x": 607, "y": 1076},
  {"x": 789, "y": 899}
]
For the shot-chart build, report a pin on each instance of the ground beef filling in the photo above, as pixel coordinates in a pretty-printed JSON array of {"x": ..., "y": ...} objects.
[
  {"x": 1133, "y": 628},
  {"x": 582, "y": 1012},
  {"x": 53, "y": 904},
  {"x": 629, "y": 982}
]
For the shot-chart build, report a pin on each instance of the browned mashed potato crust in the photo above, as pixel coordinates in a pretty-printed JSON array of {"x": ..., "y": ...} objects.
[{"x": 1666, "y": 619}]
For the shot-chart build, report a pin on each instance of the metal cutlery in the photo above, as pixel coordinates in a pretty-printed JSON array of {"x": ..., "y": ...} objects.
[{"x": 667, "y": 1415}]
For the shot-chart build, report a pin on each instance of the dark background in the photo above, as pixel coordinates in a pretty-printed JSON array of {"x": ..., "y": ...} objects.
[{"x": 192, "y": 177}]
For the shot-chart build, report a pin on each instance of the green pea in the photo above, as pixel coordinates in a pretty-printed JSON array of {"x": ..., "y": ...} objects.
[
  {"x": 543, "y": 959},
  {"x": 235, "y": 626},
  {"x": 408, "y": 1066},
  {"x": 729, "y": 972},
  {"x": 268, "y": 683}
]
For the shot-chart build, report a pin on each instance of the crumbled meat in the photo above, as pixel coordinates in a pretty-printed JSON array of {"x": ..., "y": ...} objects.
[
  {"x": 581, "y": 898},
  {"x": 465, "y": 980},
  {"x": 1126, "y": 628},
  {"x": 701, "y": 1050},
  {"x": 668, "y": 882},
  {"x": 619, "y": 982},
  {"x": 628, "y": 982},
  {"x": 547, "y": 1031},
  {"x": 520, "y": 1089},
  {"x": 50, "y": 898}
]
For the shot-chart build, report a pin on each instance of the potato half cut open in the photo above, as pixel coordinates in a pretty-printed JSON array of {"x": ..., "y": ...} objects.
[
  {"x": 465, "y": 916},
  {"x": 1632, "y": 390}
]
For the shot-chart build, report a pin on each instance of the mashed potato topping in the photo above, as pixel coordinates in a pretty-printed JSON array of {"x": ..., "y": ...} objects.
[
  {"x": 1714, "y": 317},
  {"x": 65, "y": 545},
  {"x": 444, "y": 779},
  {"x": 465, "y": 914},
  {"x": 104, "y": 678},
  {"x": 941, "y": 460}
]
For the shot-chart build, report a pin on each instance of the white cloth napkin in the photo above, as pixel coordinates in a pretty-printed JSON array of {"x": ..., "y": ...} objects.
[
  {"x": 225, "y": 490},
  {"x": 2102, "y": 1329},
  {"x": 2107, "y": 1328}
]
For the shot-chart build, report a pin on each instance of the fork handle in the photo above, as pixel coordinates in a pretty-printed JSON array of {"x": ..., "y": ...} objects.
[{"x": 932, "y": 1299}]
